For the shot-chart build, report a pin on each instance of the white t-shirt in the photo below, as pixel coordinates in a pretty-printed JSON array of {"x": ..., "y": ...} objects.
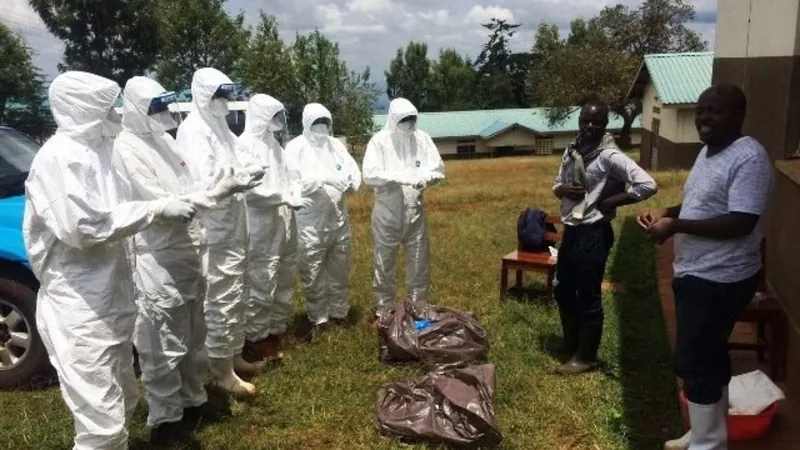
[{"x": 737, "y": 179}]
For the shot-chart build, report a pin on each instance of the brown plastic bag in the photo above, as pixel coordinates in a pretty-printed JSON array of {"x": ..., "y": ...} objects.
[
  {"x": 453, "y": 407},
  {"x": 454, "y": 337}
]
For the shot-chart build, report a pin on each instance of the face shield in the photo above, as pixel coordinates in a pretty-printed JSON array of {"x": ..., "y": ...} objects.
[
  {"x": 112, "y": 124},
  {"x": 322, "y": 127},
  {"x": 278, "y": 126},
  {"x": 220, "y": 99},
  {"x": 407, "y": 124},
  {"x": 159, "y": 116}
]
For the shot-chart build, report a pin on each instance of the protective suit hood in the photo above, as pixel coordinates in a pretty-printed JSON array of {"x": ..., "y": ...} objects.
[
  {"x": 399, "y": 109},
  {"x": 139, "y": 92},
  {"x": 311, "y": 113},
  {"x": 260, "y": 111},
  {"x": 80, "y": 103},
  {"x": 205, "y": 83}
]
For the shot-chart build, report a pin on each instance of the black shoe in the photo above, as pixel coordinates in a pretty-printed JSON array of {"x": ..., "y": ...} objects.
[
  {"x": 585, "y": 359},
  {"x": 171, "y": 434}
]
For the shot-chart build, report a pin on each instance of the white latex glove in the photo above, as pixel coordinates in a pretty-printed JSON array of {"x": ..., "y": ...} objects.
[
  {"x": 177, "y": 211},
  {"x": 297, "y": 202},
  {"x": 229, "y": 183},
  {"x": 255, "y": 172}
]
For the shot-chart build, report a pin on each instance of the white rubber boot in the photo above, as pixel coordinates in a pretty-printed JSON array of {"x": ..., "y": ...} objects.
[
  {"x": 682, "y": 443},
  {"x": 223, "y": 376},
  {"x": 709, "y": 425},
  {"x": 240, "y": 366}
]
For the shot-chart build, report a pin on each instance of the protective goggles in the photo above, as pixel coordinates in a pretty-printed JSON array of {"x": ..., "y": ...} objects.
[
  {"x": 161, "y": 103},
  {"x": 225, "y": 91}
]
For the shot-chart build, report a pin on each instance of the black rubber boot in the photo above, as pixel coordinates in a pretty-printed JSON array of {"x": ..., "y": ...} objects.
[
  {"x": 585, "y": 359},
  {"x": 569, "y": 332}
]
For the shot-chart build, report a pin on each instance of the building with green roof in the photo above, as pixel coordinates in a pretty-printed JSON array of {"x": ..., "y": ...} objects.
[
  {"x": 669, "y": 85},
  {"x": 501, "y": 132}
]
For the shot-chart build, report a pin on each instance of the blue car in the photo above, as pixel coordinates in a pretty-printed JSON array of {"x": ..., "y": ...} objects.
[{"x": 22, "y": 354}]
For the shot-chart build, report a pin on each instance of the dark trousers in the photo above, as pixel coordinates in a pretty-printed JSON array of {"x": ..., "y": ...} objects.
[
  {"x": 581, "y": 265},
  {"x": 705, "y": 313}
]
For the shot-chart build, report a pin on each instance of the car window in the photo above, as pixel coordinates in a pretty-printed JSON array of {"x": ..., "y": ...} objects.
[{"x": 16, "y": 152}]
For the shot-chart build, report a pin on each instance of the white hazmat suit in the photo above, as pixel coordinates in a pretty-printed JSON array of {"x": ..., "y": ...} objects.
[
  {"x": 327, "y": 173},
  {"x": 205, "y": 140},
  {"x": 77, "y": 219},
  {"x": 170, "y": 327},
  {"x": 400, "y": 162},
  {"x": 272, "y": 256}
]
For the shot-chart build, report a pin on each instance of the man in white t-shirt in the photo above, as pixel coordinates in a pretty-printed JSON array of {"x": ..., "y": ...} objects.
[{"x": 718, "y": 230}]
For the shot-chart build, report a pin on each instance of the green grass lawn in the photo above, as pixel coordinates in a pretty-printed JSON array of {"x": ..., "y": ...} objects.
[{"x": 322, "y": 395}]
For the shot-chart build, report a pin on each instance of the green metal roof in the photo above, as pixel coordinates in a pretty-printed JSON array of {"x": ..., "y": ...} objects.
[
  {"x": 487, "y": 123},
  {"x": 679, "y": 78}
]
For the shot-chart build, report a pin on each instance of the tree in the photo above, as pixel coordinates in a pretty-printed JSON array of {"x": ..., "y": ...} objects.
[
  {"x": 268, "y": 67},
  {"x": 409, "y": 74},
  {"x": 17, "y": 72},
  {"x": 657, "y": 26},
  {"x": 324, "y": 78},
  {"x": 116, "y": 39},
  {"x": 31, "y": 114},
  {"x": 601, "y": 57},
  {"x": 197, "y": 34},
  {"x": 451, "y": 80},
  {"x": 501, "y": 74}
]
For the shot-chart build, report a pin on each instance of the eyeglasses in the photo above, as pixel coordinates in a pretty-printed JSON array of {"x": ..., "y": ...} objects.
[
  {"x": 225, "y": 91},
  {"x": 161, "y": 103}
]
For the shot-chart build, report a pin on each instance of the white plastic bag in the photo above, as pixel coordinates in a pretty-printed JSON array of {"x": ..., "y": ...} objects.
[{"x": 752, "y": 393}]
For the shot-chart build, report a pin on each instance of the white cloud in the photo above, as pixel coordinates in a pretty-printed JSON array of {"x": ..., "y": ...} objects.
[{"x": 483, "y": 14}]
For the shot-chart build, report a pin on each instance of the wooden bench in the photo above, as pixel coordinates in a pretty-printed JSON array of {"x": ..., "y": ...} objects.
[
  {"x": 768, "y": 317},
  {"x": 539, "y": 262}
]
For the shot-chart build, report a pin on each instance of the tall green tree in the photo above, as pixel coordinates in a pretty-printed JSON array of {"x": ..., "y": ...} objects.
[
  {"x": 656, "y": 26},
  {"x": 268, "y": 66},
  {"x": 450, "y": 87},
  {"x": 501, "y": 73},
  {"x": 196, "y": 34},
  {"x": 409, "y": 74},
  {"x": 322, "y": 77},
  {"x": 31, "y": 114},
  {"x": 601, "y": 57},
  {"x": 17, "y": 72},
  {"x": 116, "y": 39}
]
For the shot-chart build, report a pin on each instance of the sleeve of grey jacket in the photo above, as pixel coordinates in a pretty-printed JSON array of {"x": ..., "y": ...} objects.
[{"x": 641, "y": 185}]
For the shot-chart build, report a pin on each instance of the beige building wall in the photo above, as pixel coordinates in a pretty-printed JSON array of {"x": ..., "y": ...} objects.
[
  {"x": 650, "y": 101},
  {"x": 757, "y": 28},
  {"x": 687, "y": 131}
]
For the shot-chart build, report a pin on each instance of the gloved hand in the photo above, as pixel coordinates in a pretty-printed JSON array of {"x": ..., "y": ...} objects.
[
  {"x": 229, "y": 183},
  {"x": 177, "y": 211},
  {"x": 256, "y": 172},
  {"x": 297, "y": 202}
]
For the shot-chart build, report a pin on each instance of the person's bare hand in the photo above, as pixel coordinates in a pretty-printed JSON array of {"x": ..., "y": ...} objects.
[
  {"x": 572, "y": 191},
  {"x": 661, "y": 230},
  {"x": 647, "y": 218}
]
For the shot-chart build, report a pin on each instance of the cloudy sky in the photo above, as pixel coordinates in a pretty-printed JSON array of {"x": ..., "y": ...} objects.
[{"x": 370, "y": 31}]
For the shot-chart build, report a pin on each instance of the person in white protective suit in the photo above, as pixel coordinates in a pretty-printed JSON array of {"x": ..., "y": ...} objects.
[
  {"x": 77, "y": 219},
  {"x": 170, "y": 327},
  {"x": 400, "y": 162},
  {"x": 327, "y": 174},
  {"x": 272, "y": 256},
  {"x": 206, "y": 142}
]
